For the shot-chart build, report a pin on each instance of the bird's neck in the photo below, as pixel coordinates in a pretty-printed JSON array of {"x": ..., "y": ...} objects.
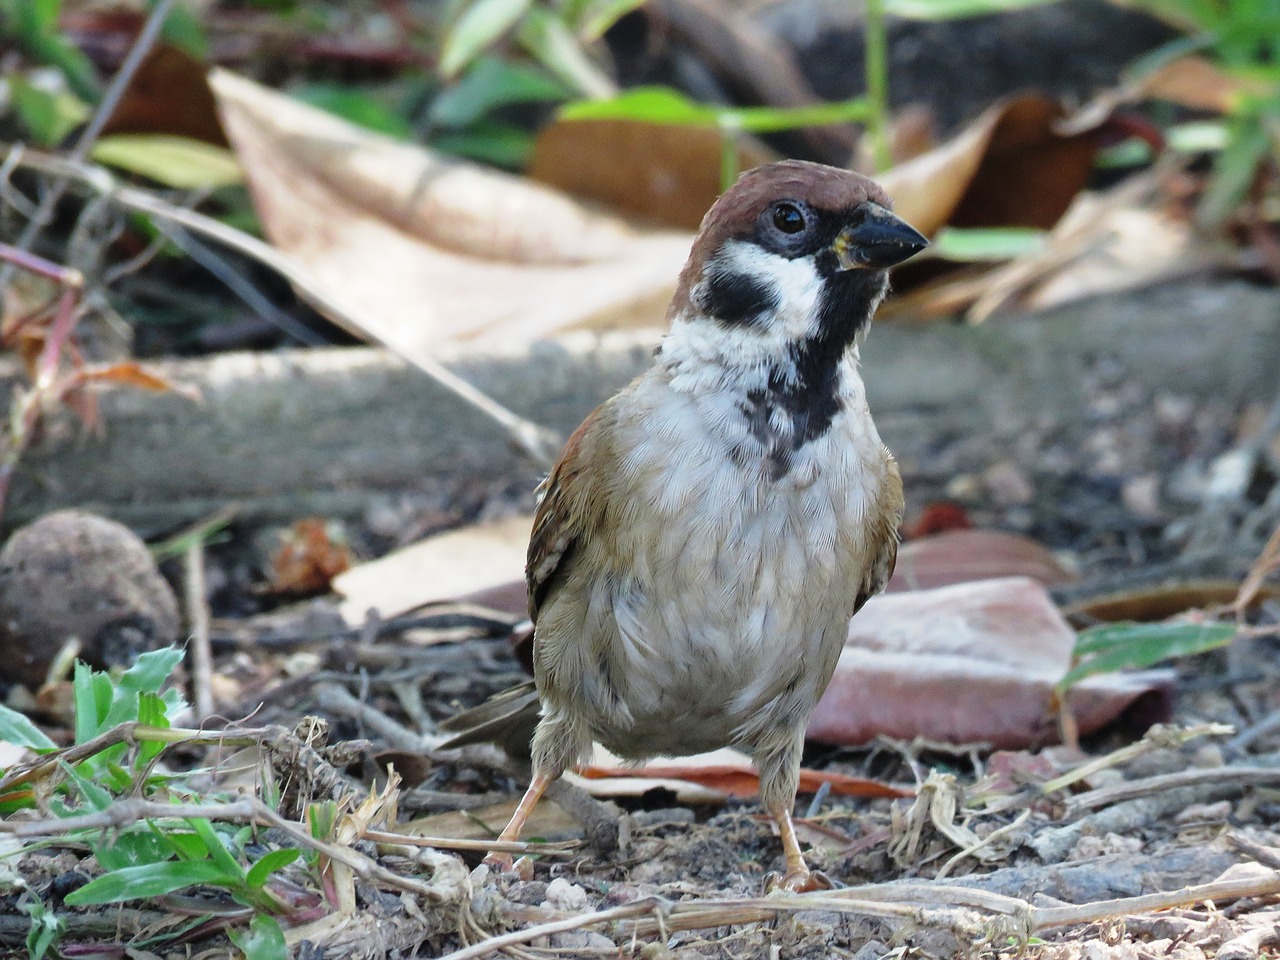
[{"x": 778, "y": 395}]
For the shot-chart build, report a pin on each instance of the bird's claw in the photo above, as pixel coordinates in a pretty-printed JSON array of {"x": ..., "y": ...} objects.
[
  {"x": 802, "y": 880},
  {"x": 501, "y": 864}
]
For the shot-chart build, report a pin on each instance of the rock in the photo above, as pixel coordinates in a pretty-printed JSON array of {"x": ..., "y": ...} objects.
[{"x": 72, "y": 574}]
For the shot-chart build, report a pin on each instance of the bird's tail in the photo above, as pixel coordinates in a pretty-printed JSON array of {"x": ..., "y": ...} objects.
[{"x": 506, "y": 719}]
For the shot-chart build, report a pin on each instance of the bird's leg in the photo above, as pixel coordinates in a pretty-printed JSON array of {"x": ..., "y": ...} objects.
[
  {"x": 779, "y": 764},
  {"x": 797, "y": 877},
  {"x": 511, "y": 832},
  {"x": 559, "y": 741}
]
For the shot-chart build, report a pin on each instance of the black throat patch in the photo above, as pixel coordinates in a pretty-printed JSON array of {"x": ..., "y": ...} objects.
[{"x": 802, "y": 396}]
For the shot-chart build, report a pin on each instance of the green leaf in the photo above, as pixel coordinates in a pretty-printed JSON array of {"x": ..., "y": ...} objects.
[
  {"x": 494, "y": 144},
  {"x": 49, "y": 115},
  {"x": 599, "y": 20},
  {"x": 269, "y": 864},
  {"x": 132, "y": 849},
  {"x": 91, "y": 698},
  {"x": 954, "y": 9},
  {"x": 152, "y": 670},
  {"x": 149, "y": 880},
  {"x": 545, "y": 36},
  {"x": 1135, "y": 646},
  {"x": 488, "y": 85},
  {"x": 183, "y": 29},
  {"x": 185, "y": 844},
  {"x": 358, "y": 107},
  {"x": 974, "y": 245},
  {"x": 1198, "y": 136},
  {"x": 96, "y": 795},
  {"x": 17, "y": 728},
  {"x": 1234, "y": 171},
  {"x": 667, "y": 106},
  {"x": 228, "y": 864},
  {"x": 263, "y": 941},
  {"x": 178, "y": 162},
  {"x": 46, "y": 927},
  {"x": 481, "y": 23}
]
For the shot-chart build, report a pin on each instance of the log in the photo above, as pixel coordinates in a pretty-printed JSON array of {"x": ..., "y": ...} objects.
[{"x": 335, "y": 431}]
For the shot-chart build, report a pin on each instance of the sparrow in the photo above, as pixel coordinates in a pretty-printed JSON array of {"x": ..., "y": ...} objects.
[{"x": 706, "y": 534}]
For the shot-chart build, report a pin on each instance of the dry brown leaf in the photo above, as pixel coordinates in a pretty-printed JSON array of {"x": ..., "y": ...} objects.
[
  {"x": 547, "y": 822},
  {"x": 1150, "y": 604},
  {"x": 308, "y": 558},
  {"x": 128, "y": 373},
  {"x": 1190, "y": 81},
  {"x": 1106, "y": 242},
  {"x": 971, "y": 663},
  {"x": 659, "y": 174},
  {"x": 428, "y": 249},
  {"x": 169, "y": 94},
  {"x": 724, "y": 773},
  {"x": 960, "y": 556},
  {"x": 1009, "y": 168},
  {"x": 475, "y": 564}
]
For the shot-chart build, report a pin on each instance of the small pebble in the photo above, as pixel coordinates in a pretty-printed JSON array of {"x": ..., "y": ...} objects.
[
  {"x": 581, "y": 940},
  {"x": 563, "y": 895},
  {"x": 75, "y": 576},
  {"x": 659, "y": 818},
  {"x": 1090, "y": 846},
  {"x": 1205, "y": 812}
]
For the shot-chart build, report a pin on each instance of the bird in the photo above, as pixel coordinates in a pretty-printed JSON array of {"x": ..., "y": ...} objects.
[{"x": 706, "y": 534}]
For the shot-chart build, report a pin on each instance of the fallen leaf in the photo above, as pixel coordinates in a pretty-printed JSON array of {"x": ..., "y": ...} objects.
[
  {"x": 474, "y": 564},
  {"x": 178, "y": 162},
  {"x": 1009, "y": 168},
  {"x": 1158, "y": 602},
  {"x": 724, "y": 773},
  {"x": 1109, "y": 648},
  {"x": 937, "y": 517},
  {"x": 308, "y": 559},
  {"x": 961, "y": 556},
  {"x": 169, "y": 93},
  {"x": 658, "y": 173},
  {"x": 970, "y": 663},
  {"x": 547, "y": 822},
  {"x": 425, "y": 249},
  {"x": 130, "y": 374}
]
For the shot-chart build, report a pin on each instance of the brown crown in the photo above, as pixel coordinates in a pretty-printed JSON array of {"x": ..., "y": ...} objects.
[{"x": 735, "y": 212}]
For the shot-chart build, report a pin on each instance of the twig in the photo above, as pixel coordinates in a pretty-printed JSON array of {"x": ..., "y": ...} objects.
[
  {"x": 1247, "y": 737},
  {"x": 28, "y": 404},
  {"x": 131, "y": 732},
  {"x": 536, "y": 442},
  {"x": 1133, "y": 789},
  {"x": 198, "y": 618},
  {"x": 1158, "y": 737},
  {"x": 918, "y": 902},
  {"x": 93, "y": 129},
  {"x": 557, "y": 848},
  {"x": 239, "y": 285},
  {"x": 1267, "y": 856}
]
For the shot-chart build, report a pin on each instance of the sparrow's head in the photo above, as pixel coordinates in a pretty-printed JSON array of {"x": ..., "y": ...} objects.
[{"x": 794, "y": 251}]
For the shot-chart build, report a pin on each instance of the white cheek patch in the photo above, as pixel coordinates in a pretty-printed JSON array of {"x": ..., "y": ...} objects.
[{"x": 797, "y": 282}]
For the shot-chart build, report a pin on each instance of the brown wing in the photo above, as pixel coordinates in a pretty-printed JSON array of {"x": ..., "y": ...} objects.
[
  {"x": 884, "y": 538},
  {"x": 569, "y": 508}
]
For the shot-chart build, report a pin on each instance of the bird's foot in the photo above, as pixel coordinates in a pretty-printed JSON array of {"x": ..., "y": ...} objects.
[
  {"x": 798, "y": 880},
  {"x": 501, "y": 864}
]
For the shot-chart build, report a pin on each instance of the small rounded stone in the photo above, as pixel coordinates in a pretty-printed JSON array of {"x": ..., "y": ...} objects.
[{"x": 74, "y": 574}]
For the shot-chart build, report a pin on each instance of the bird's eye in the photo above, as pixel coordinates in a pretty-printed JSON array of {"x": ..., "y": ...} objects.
[{"x": 788, "y": 218}]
